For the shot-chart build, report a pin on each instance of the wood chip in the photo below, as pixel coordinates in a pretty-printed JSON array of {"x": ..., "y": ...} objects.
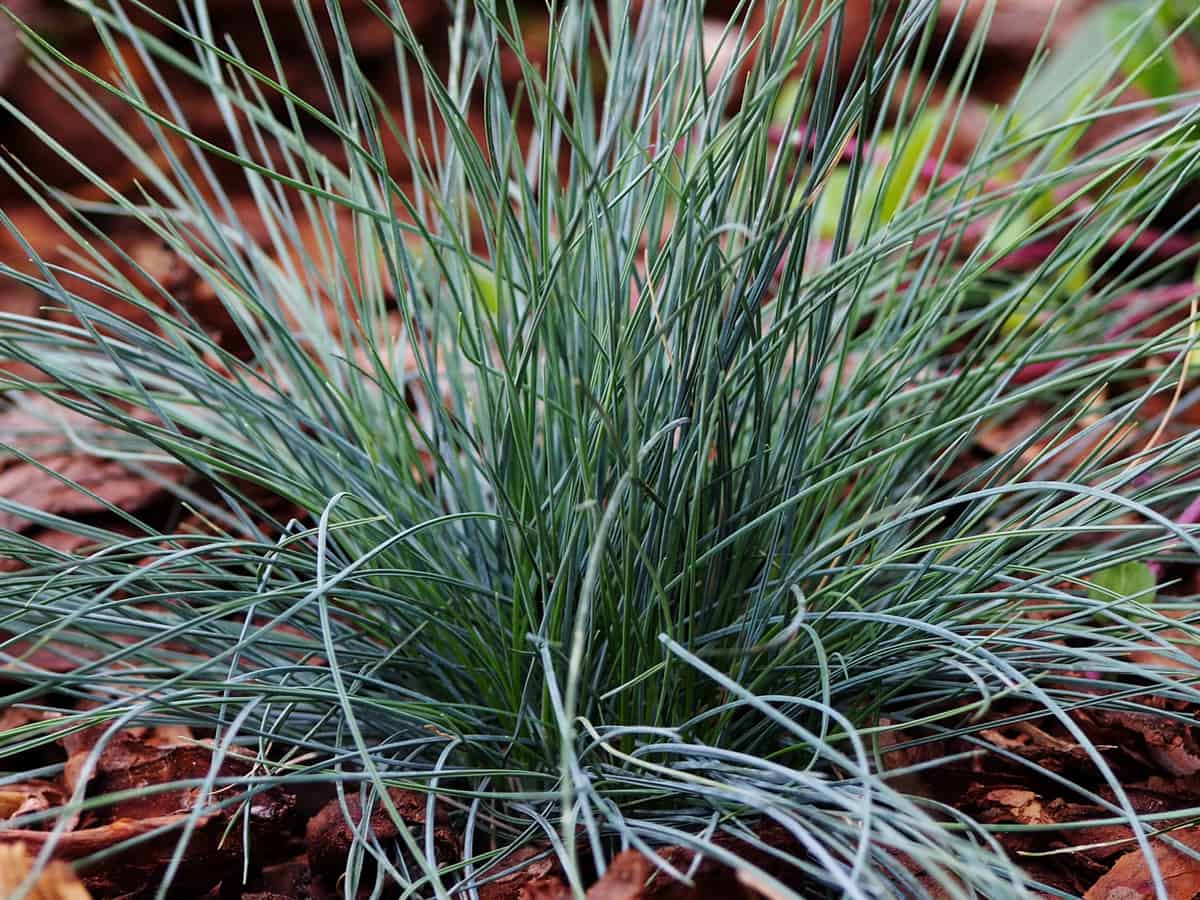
[
  {"x": 109, "y": 481},
  {"x": 624, "y": 880},
  {"x": 1129, "y": 878}
]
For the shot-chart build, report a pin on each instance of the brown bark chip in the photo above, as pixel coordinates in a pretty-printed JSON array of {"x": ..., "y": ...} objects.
[
  {"x": 1166, "y": 742},
  {"x": 511, "y": 886},
  {"x": 625, "y": 879},
  {"x": 330, "y": 836},
  {"x": 137, "y": 874},
  {"x": 1129, "y": 878},
  {"x": 214, "y": 853},
  {"x": 126, "y": 751},
  {"x": 27, "y": 797},
  {"x": 545, "y": 889},
  {"x": 137, "y": 763},
  {"x": 109, "y": 483}
]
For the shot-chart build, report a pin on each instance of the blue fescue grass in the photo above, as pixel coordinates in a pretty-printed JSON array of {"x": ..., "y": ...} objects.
[{"x": 627, "y": 524}]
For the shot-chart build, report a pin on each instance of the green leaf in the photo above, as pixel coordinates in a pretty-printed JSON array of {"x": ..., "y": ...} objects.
[
  {"x": 1148, "y": 59},
  {"x": 916, "y": 146},
  {"x": 486, "y": 287},
  {"x": 785, "y": 104},
  {"x": 1132, "y": 580}
]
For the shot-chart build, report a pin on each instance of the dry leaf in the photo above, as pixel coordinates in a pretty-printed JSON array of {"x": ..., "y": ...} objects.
[{"x": 56, "y": 881}]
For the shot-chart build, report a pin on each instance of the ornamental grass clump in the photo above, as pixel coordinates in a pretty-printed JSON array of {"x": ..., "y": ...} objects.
[{"x": 596, "y": 451}]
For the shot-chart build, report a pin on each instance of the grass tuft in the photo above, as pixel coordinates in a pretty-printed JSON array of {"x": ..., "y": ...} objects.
[{"x": 627, "y": 448}]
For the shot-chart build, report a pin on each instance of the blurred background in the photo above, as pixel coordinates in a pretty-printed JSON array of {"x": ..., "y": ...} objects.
[
  {"x": 1015, "y": 30},
  {"x": 1014, "y": 33}
]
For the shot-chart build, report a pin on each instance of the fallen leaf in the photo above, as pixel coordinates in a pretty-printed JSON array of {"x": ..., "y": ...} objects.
[{"x": 56, "y": 881}]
